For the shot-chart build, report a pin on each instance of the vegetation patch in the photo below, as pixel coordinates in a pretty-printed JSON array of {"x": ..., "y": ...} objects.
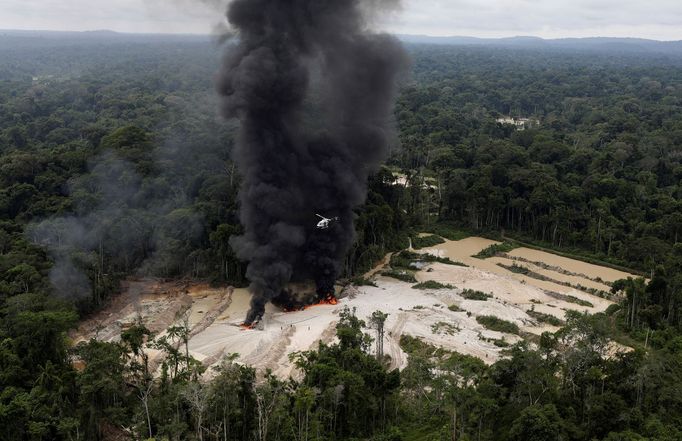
[
  {"x": 497, "y": 324},
  {"x": 495, "y": 250},
  {"x": 520, "y": 269},
  {"x": 545, "y": 318},
  {"x": 426, "y": 241},
  {"x": 471, "y": 294},
  {"x": 569, "y": 298},
  {"x": 455, "y": 308},
  {"x": 444, "y": 359},
  {"x": 415, "y": 346},
  {"x": 577, "y": 301},
  {"x": 595, "y": 292},
  {"x": 559, "y": 270},
  {"x": 444, "y": 328},
  {"x": 514, "y": 268},
  {"x": 612, "y": 309},
  {"x": 411, "y": 260},
  {"x": 361, "y": 281},
  {"x": 446, "y": 231},
  {"x": 404, "y": 276},
  {"x": 500, "y": 343},
  {"x": 432, "y": 284},
  {"x": 403, "y": 259}
]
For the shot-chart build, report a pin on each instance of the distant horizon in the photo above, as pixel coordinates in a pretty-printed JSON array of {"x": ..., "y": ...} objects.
[
  {"x": 658, "y": 20},
  {"x": 399, "y": 34}
]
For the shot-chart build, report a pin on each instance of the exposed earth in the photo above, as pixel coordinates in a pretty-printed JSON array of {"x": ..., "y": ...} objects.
[{"x": 442, "y": 317}]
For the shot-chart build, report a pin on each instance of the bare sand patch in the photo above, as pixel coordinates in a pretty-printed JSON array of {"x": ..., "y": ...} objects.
[
  {"x": 576, "y": 266},
  {"x": 236, "y": 312},
  {"x": 154, "y": 303},
  {"x": 414, "y": 312},
  {"x": 511, "y": 297},
  {"x": 463, "y": 251},
  {"x": 216, "y": 331},
  {"x": 555, "y": 275},
  {"x": 203, "y": 302},
  {"x": 214, "y": 315}
]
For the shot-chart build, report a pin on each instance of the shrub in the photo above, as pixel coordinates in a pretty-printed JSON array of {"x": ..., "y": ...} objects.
[
  {"x": 612, "y": 309},
  {"x": 569, "y": 298},
  {"x": 471, "y": 294},
  {"x": 445, "y": 260},
  {"x": 495, "y": 249},
  {"x": 403, "y": 259},
  {"x": 497, "y": 324},
  {"x": 404, "y": 276},
  {"x": 444, "y": 328},
  {"x": 577, "y": 301},
  {"x": 514, "y": 268},
  {"x": 426, "y": 241},
  {"x": 361, "y": 281},
  {"x": 545, "y": 318},
  {"x": 407, "y": 259},
  {"x": 431, "y": 284}
]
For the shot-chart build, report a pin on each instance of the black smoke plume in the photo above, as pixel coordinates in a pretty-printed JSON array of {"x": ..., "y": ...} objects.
[{"x": 314, "y": 90}]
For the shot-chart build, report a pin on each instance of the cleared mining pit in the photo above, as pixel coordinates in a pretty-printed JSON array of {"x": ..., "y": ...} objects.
[{"x": 443, "y": 314}]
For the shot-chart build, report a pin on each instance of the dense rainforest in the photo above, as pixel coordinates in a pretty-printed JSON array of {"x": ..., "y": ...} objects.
[{"x": 115, "y": 163}]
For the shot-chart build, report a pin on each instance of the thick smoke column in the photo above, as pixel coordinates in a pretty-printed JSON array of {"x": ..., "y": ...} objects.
[{"x": 293, "y": 56}]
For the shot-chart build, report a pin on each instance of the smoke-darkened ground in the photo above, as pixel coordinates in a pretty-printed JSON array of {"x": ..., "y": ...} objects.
[{"x": 291, "y": 171}]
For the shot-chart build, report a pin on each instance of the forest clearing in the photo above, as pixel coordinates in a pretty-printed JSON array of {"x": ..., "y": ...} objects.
[{"x": 442, "y": 317}]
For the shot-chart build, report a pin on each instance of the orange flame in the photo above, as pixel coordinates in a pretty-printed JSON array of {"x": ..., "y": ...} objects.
[{"x": 329, "y": 300}]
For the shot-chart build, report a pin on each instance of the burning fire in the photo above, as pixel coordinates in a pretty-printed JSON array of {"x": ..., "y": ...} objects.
[
  {"x": 329, "y": 299},
  {"x": 292, "y": 303}
]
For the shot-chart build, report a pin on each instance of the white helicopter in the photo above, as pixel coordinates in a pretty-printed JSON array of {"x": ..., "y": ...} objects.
[{"x": 325, "y": 222}]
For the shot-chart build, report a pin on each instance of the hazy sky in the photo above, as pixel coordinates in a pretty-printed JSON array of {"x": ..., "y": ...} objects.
[{"x": 657, "y": 19}]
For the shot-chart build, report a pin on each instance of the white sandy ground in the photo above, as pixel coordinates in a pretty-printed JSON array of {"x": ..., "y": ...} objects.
[
  {"x": 571, "y": 279},
  {"x": 214, "y": 315},
  {"x": 575, "y": 266},
  {"x": 463, "y": 251}
]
